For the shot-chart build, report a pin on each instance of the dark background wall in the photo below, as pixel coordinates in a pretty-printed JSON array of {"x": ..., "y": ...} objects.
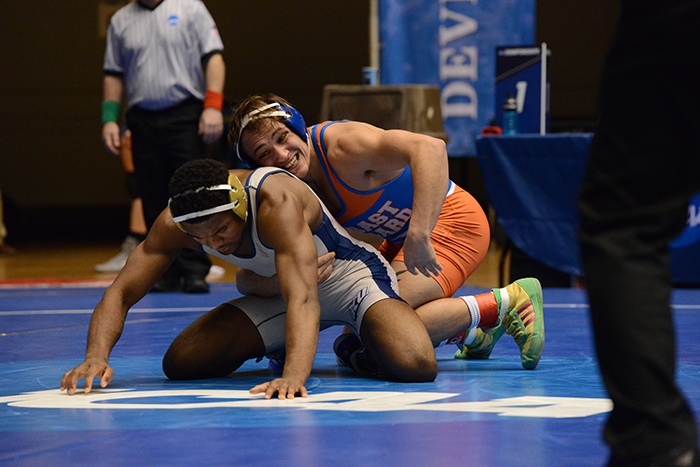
[{"x": 59, "y": 182}]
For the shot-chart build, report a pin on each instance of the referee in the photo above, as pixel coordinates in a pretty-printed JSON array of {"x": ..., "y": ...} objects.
[{"x": 164, "y": 57}]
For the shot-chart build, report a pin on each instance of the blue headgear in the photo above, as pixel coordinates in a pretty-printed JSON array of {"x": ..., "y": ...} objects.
[{"x": 292, "y": 119}]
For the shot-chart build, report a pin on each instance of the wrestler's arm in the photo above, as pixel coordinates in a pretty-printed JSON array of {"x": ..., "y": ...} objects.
[
  {"x": 143, "y": 268},
  {"x": 382, "y": 153},
  {"x": 250, "y": 283},
  {"x": 283, "y": 226}
]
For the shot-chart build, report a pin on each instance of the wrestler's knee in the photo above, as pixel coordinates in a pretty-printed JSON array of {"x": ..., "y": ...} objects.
[
  {"x": 172, "y": 367},
  {"x": 413, "y": 365},
  {"x": 215, "y": 345},
  {"x": 179, "y": 364},
  {"x": 398, "y": 340}
]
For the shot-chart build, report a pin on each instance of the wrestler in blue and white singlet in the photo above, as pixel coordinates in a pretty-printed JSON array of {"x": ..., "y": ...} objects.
[{"x": 360, "y": 278}]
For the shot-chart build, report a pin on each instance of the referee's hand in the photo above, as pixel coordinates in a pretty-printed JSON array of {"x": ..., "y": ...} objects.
[
  {"x": 111, "y": 138},
  {"x": 211, "y": 125}
]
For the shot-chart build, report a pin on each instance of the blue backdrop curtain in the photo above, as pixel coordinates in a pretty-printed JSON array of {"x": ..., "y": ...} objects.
[{"x": 451, "y": 44}]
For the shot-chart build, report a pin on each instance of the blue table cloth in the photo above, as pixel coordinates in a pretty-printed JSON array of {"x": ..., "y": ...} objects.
[{"x": 532, "y": 181}]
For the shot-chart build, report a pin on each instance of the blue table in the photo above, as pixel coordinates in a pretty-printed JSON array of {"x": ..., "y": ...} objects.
[{"x": 532, "y": 181}]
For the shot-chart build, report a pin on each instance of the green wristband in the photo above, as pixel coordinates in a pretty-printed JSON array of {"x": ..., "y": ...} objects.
[{"x": 110, "y": 111}]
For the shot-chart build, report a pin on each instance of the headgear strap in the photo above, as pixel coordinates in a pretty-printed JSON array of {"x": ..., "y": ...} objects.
[{"x": 237, "y": 196}]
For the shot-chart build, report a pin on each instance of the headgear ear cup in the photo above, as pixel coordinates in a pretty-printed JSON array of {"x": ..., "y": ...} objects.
[
  {"x": 292, "y": 119},
  {"x": 295, "y": 122},
  {"x": 238, "y": 197}
]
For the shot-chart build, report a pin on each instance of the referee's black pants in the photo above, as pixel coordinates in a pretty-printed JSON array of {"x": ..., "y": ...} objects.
[
  {"x": 162, "y": 141},
  {"x": 644, "y": 167}
]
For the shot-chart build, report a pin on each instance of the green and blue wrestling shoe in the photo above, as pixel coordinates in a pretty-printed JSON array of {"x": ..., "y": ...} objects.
[
  {"x": 524, "y": 318},
  {"x": 520, "y": 316},
  {"x": 481, "y": 347}
]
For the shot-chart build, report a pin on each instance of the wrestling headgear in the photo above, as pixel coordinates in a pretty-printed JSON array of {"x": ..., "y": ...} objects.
[
  {"x": 237, "y": 197},
  {"x": 292, "y": 119}
]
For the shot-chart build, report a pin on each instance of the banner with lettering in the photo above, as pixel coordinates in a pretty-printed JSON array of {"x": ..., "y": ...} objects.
[
  {"x": 685, "y": 249},
  {"x": 452, "y": 44},
  {"x": 691, "y": 234}
]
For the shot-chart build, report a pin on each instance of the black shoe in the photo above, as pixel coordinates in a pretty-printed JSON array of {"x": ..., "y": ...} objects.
[
  {"x": 350, "y": 352},
  {"x": 194, "y": 284},
  {"x": 167, "y": 284}
]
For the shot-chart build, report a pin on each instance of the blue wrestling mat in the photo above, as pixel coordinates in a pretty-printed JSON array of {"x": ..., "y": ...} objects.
[{"x": 486, "y": 413}]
